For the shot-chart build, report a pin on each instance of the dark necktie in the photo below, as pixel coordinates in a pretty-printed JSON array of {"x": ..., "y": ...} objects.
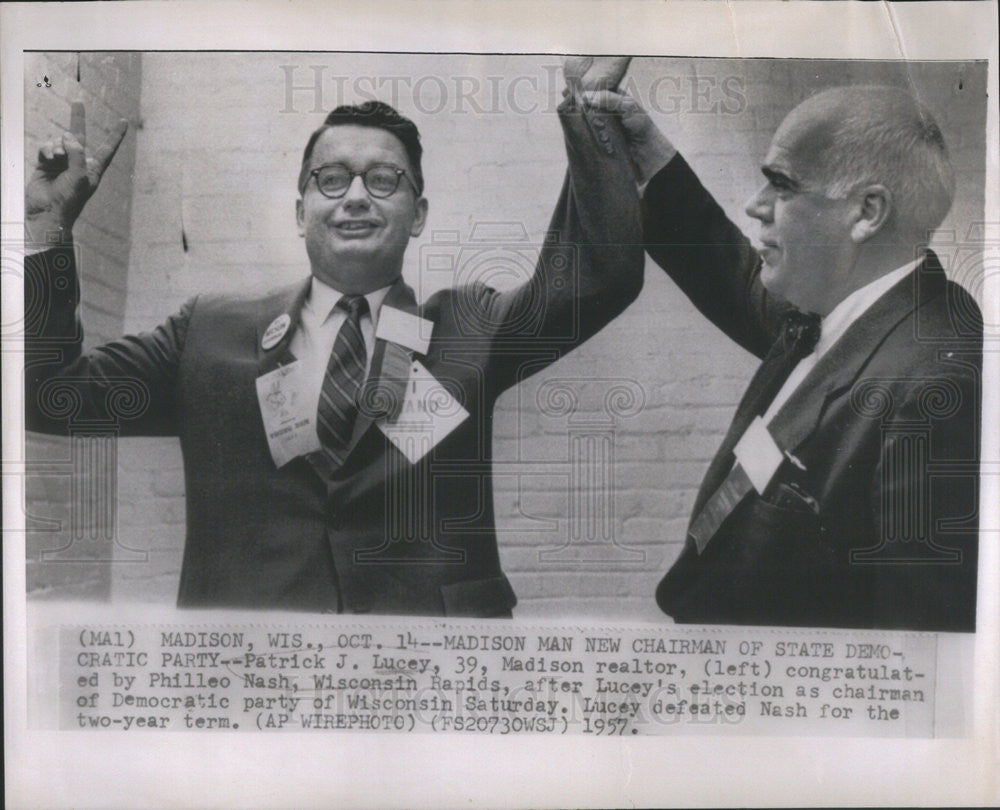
[
  {"x": 726, "y": 484},
  {"x": 345, "y": 372}
]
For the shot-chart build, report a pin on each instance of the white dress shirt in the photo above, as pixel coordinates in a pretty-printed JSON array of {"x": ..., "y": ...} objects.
[
  {"x": 833, "y": 327},
  {"x": 319, "y": 324}
]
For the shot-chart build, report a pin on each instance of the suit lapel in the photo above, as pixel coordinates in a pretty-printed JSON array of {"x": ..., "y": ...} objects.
[
  {"x": 285, "y": 303},
  {"x": 390, "y": 362},
  {"x": 839, "y": 368},
  {"x": 763, "y": 386},
  {"x": 836, "y": 371},
  {"x": 385, "y": 387}
]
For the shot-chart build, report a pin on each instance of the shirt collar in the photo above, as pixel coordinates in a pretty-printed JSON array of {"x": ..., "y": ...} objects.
[
  {"x": 323, "y": 298},
  {"x": 836, "y": 323}
]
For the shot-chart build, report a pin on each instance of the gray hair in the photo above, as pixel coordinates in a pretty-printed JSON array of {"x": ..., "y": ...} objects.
[{"x": 883, "y": 135}]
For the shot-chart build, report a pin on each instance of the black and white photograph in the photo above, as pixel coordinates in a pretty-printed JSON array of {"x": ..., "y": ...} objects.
[
  {"x": 446, "y": 459},
  {"x": 624, "y": 392}
]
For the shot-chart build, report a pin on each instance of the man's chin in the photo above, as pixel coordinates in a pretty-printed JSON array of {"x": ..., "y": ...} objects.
[
  {"x": 357, "y": 250},
  {"x": 773, "y": 279}
]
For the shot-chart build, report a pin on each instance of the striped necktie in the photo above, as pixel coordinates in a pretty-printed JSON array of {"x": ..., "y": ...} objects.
[{"x": 345, "y": 372}]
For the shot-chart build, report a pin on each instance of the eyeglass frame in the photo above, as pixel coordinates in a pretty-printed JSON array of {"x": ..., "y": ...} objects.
[{"x": 314, "y": 173}]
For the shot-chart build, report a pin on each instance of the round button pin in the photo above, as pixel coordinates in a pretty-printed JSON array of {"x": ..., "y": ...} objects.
[{"x": 276, "y": 331}]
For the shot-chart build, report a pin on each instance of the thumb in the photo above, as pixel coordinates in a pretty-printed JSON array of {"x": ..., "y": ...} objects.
[{"x": 74, "y": 153}]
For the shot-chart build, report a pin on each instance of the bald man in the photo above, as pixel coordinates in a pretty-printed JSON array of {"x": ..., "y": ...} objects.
[{"x": 844, "y": 493}]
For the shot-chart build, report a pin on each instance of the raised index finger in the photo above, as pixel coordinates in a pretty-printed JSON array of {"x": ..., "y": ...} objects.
[{"x": 78, "y": 122}]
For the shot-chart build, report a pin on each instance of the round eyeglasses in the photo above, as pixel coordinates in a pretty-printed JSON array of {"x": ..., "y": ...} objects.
[{"x": 381, "y": 181}]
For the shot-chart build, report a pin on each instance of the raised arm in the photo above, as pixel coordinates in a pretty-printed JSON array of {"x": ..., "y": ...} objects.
[
  {"x": 128, "y": 382},
  {"x": 691, "y": 238},
  {"x": 590, "y": 266}
]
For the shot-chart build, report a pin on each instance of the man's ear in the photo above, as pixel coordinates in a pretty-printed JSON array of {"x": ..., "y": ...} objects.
[
  {"x": 421, "y": 217},
  {"x": 300, "y": 216},
  {"x": 873, "y": 213}
]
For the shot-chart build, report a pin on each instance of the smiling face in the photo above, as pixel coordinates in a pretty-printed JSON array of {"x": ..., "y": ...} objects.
[
  {"x": 356, "y": 242},
  {"x": 805, "y": 235}
]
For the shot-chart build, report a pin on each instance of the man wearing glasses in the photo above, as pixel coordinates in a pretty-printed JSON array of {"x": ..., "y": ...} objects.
[{"x": 336, "y": 434}]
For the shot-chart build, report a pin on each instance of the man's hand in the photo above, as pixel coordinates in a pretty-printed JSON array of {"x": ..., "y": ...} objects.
[
  {"x": 584, "y": 73},
  {"x": 650, "y": 149},
  {"x": 66, "y": 177}
]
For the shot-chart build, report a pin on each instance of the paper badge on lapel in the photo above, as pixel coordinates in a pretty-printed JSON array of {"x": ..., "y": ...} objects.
[
  {"x": 429, "y": 413},
  {"x": 758, "y": 454},
  {"x": 404, "y": 329},
  {"x": 288, "y": 423}
]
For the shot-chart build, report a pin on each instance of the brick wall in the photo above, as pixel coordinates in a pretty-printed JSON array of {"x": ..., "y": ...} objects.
[
  {"x": 69, "y": 551},
  {"x": 217, "y": 157}
]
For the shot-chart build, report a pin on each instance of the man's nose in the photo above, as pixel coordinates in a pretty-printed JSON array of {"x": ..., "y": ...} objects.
[
  {"x": 761, "y": 205},
  {"x": 356, "y": 194}
]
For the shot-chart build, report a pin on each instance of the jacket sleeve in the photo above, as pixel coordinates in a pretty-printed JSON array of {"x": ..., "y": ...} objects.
[
  {"x": 128, "y": 384},
  {"x": 590, "y": 266},
  {"x": 709, "y": 258}
]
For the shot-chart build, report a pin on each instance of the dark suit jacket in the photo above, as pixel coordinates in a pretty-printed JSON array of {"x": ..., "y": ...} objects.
[
  {"x": 381, "y": 535},
  {"x": 882, "y": 529}
]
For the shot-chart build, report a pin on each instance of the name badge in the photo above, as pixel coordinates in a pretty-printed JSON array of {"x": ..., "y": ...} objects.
[
  {"x": 428, "y": 414},
  {"x": 758, "y": 454},
  {"x": 405, "y": 329},
  {"x": 289, "y": 423}
]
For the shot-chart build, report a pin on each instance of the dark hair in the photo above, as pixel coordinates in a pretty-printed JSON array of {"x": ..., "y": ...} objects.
[{"x": 374, "y": 114}]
